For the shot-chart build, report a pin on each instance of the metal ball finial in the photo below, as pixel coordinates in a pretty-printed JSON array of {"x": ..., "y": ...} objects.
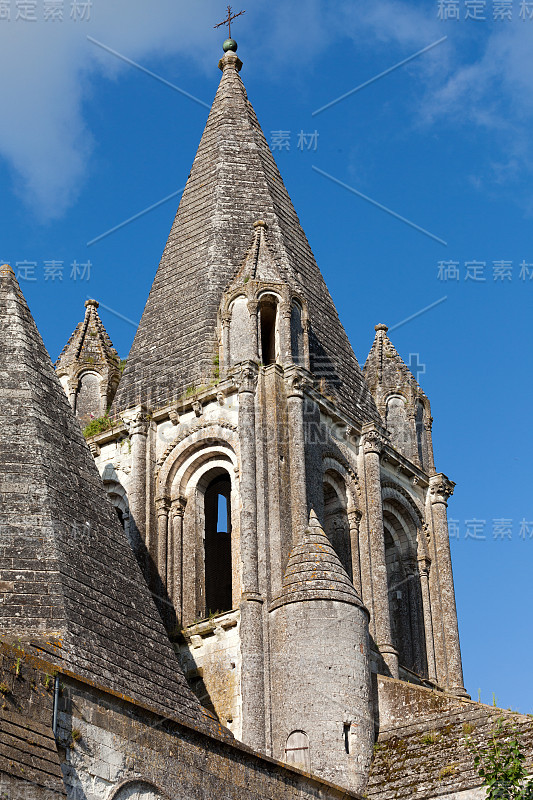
[{"x": 230, "y": 44}]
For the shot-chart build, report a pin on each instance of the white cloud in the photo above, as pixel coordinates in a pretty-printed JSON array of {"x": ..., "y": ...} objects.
[{"x": 48, "y": 68}]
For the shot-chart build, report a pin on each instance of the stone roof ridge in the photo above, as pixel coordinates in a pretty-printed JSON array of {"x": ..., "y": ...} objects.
[
  {"x": 314, "y": 571},
  {"x": 87, "y": 592},
  {"x": 89, "y": 342},
  {"x": 384, "y": 366}
]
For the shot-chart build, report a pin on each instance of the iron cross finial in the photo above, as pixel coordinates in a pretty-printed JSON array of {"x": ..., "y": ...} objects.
[{"x": 228, "y": 20}]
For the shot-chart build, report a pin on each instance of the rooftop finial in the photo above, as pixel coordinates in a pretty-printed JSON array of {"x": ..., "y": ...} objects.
[
  {"x": 229, "y": 44},
  {"x": 381, "y": 327}
]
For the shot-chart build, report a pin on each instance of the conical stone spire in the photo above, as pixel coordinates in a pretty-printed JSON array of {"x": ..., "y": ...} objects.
[
  {"x": 70, "y": 583},
  {"x": 384, "y": 369},
  {"x": 234, "y": 182},
  {"x": 89, "y": 351},
  {"x": 314, "y": 571},
  {"x": 401, "y": 402}
]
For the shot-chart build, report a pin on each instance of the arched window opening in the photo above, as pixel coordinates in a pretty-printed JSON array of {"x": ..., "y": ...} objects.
[
  {"x": 268, "y": 313},
  {"x": 297, "y": 750},
  {"x": 240, "y": 338},
  {"x": 398, "y": 602},
  {"x": 88, "y": 398},
  {"x": 218, "y": 573},
  {"x": 337, "y": 527},
  {"x": 398, "y": 424}
]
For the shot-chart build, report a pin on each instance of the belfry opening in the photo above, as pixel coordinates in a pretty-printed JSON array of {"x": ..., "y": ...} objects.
[{"x": 218, "y": 573}]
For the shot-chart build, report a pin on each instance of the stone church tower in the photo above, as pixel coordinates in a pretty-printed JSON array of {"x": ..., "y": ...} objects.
[{"x": 282, "y": 503}]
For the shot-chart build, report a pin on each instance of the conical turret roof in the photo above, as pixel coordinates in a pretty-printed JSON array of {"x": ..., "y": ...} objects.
[
  {"x": 385, "y": 371},
  {"x": 234, "y": 182},
  {"x": 71, "y": 585},
  {"x": 314, "y": 571},
  {"x": 89, "y": 344}
]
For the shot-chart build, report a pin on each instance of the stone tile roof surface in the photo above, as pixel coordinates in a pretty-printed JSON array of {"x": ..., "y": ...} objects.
[
  {"x": 89, "y": 342},
  {"x": 431, "y": 758},
  {"x": 314, "y": 571},
  {"x": 385, "y": 367},
  {"x": 234, "y": 181},
  {"x": 29, "y": 761},
  {"x": 67, "y": 570}
]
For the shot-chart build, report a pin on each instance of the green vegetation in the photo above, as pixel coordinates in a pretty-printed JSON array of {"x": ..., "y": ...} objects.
[
  {"x": 500, "y": 764},
  {"x": 122, "y": 364},
  {"x": 447, "y": 771},
  {"x": 4, "y": 688},
  {"x": 430, "y": 738},
  {"x": 99, "y": 425}
]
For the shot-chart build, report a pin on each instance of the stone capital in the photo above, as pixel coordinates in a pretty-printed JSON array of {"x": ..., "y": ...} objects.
[
  {"x": 252, "y": 306},
  {"x": 245, "y": 377},
  {"x": 162, "y": 506},
  {"x": 440, "y": 488},
  {"x": 373, "y": 441},
  {"x": 296, "y": 380},
  {"x": 354, "y": 517},
  {"x": 139, "y": 424},
  {"x": 177, "y": 507}
]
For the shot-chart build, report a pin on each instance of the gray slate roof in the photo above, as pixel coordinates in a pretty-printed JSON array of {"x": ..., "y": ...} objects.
[
  {"x": 67, "y": 571},
  {"x": 234, "y": 181},
  {"x": 314, "y": 571}
]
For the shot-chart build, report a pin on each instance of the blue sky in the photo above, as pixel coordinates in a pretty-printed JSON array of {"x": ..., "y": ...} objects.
[{"x": 88, "y": 141}]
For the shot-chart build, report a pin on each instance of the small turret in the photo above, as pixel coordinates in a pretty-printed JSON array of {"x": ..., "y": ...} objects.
[
  {"x": 321, "y": 713},
  {"x": 400, "y": 400},
  {"x": 89, "y": 367}
]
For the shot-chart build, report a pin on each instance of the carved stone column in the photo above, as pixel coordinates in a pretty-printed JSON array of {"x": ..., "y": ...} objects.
[
  {"x": 175, "y": 558},
  {"x": 162, "y": 506},
  {"x": 372, "y": 446},
  {"x": 415, "y": 456},
  {"x": 441, "y": 488},
  {"x": 423, "y": 568},
  {"x": 295, "y": 380},
  {"x": 226, "y": 356},
  {"x": 354, "y": 520},
  {"x": 251, "y": 606},
  {"x": 138, "y": 431},
  {"x": 72, "y": 389},
  {"x": 252, "y": 310},
  {"x": 306, "y": 326},
  {"x": 285, "y": 333},
  {"x": 431, "y": 461}
]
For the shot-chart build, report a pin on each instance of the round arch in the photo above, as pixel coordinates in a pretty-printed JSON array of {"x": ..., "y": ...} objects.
[{"x": 137, "y": 790}]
